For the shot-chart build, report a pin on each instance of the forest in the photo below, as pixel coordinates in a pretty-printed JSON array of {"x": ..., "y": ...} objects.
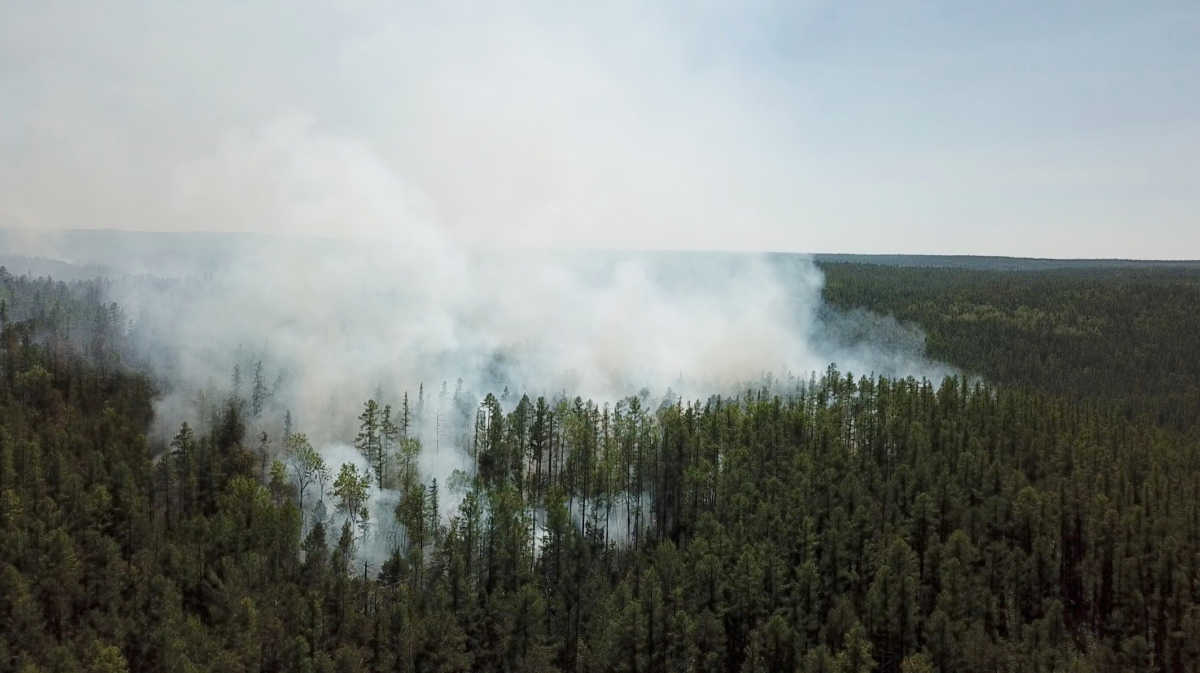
[{"x": 1038, "y": 512}]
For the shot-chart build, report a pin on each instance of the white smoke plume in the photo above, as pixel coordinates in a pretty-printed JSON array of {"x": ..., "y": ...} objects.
[
  {"x": 395, "y": 304},
  {"x": 394, "y": 307}
]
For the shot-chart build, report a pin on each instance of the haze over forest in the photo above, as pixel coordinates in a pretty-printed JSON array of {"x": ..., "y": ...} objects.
[
  {"x": 362, "y": 336},
  {"x": 1022, "y": 129}
]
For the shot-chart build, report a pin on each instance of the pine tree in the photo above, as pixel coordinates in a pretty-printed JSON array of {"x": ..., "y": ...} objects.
[
  {"x": 236, "y": 382},
  {"x": 307, "y": 465},
  {"x": 431, "y": 509},
  {"x": 351, "y": 489},
  {"x": 259, "y": 393},
  {"x": 388, "y": 434},
  {"x": 367, "y": 441}
]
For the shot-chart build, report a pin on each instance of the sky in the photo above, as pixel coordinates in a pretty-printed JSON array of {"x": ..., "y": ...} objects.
[{"x": 1054, "y": 129}]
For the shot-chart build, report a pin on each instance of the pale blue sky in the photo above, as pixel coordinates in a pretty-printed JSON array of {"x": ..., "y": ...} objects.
[{"x": 1020, "y": 128}]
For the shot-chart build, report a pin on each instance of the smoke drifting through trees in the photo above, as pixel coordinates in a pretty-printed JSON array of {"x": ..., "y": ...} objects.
[
  {"x": 316, "y": 327},
  {"x": 302, "y": 332},
  {"x": 397, "y": 303}
]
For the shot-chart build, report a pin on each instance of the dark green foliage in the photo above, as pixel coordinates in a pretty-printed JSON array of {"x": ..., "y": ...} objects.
[
  {"x": 1129, "y": 337},
  {"x": 854, "y": 524}
]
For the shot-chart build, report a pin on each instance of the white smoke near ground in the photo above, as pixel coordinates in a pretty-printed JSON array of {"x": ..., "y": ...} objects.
[
  {"x": 395, "y": 308},
  {"x": 395, "y": 303},
  {"x": 379, "y": 532}
]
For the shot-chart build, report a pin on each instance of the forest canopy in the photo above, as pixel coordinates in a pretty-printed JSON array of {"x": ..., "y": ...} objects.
[{"x": 1040, "y": 512}]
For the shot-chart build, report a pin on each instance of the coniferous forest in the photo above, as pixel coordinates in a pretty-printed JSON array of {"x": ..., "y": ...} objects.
[{"x": 1039, "y": 512}]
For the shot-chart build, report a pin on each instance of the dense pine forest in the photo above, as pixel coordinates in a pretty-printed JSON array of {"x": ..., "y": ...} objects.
[
  {"x": 1039, "y": 513},
  {"x": 1127, "y": 335}
]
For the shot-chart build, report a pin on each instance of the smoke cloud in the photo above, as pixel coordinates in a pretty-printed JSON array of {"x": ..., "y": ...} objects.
[
  {"x": 421, "y": 198},
  {"x": 394, "y": 303},
  {"x": 315, "y": 325}
]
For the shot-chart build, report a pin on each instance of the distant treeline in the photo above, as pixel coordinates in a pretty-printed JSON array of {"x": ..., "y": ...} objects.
[
  {"x": 1128, "y": 337},
  {"x": 994, "y": 263},
  {"x": 847, "y": 525}
]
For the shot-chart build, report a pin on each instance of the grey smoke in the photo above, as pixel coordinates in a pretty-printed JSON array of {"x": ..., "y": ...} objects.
[
  {"x": 395, "y": 302},
  {"x": 395, "y": 305}
]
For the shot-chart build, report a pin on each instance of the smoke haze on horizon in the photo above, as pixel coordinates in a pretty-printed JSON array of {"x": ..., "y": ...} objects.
[
  {"x": 396, "y": 302},
  {"x": 1027, "y": 129},
  {"x": 334, "y": 322}
]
